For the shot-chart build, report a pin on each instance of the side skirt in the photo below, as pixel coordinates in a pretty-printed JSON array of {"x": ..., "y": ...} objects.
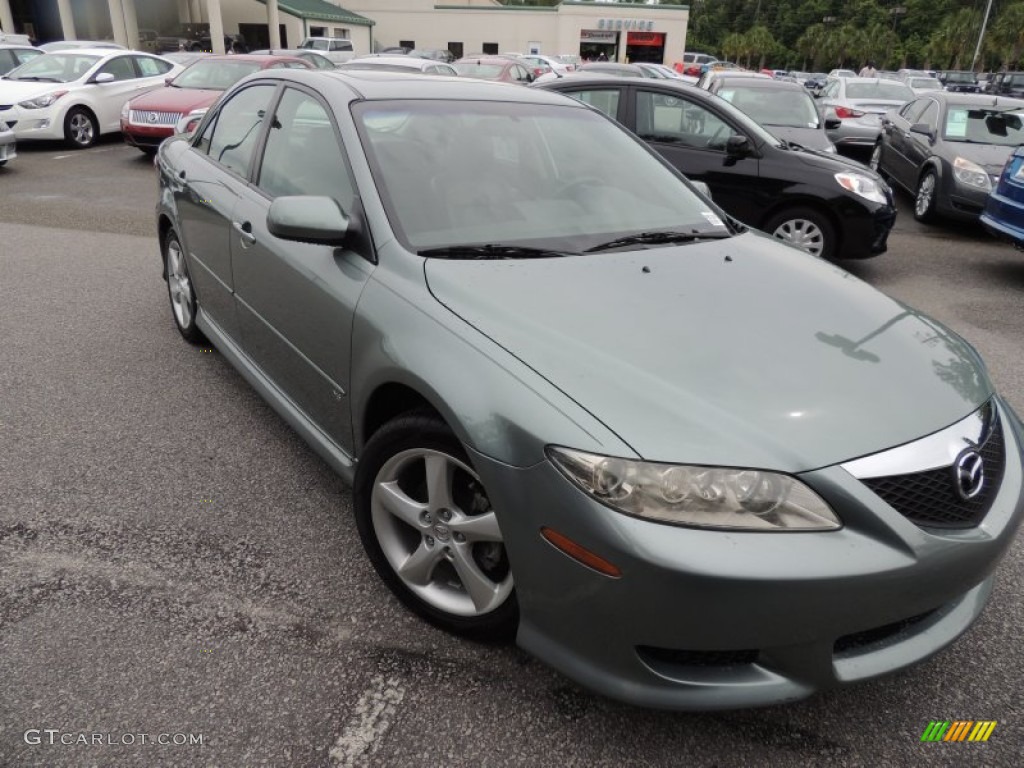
[{"x": 328, "y": 450}]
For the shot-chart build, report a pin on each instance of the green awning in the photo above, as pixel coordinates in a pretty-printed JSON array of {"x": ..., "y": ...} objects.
[{"x": 321, "y": 10}]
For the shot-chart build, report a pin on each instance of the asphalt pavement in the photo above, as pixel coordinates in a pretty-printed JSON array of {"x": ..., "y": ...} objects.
[{"x": 181, "y": 582}]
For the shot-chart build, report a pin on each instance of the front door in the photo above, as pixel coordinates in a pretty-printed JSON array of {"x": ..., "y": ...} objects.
[{"x": 296, "y": 301}]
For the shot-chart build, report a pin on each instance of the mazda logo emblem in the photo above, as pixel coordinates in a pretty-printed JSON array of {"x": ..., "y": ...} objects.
[{"x": 969, "y": 474}]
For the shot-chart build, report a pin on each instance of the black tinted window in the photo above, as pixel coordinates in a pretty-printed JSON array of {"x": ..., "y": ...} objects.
[
  {"x": 121, "y": 68},
  {"x": 303, "y": 156},
  {"x": 237, "y": 128}
]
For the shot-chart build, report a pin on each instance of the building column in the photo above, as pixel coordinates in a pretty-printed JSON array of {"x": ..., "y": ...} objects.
[
  {"x": 92, "y": 19},
  {"x": 6, "y": 17},
  {"x": 131, "y": 24},
  {"x": 117, "y": 22},
  {"x": 184, "y": 16},
  {"x": 273, "y": 24},
  {"x": 67, "y": 19},
  {"x": 216, "y": 25}
]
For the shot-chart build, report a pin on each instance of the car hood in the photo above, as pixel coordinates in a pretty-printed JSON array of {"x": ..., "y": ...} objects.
[
  {"x": 836, "y": 163},
  {"x": 812, "y": 138},
  {"x": 168, "y": 99},
  {"x": 991, "y": 157},
  {"x": 742, "y": 352},
  {"x": 13, "y": 91}
]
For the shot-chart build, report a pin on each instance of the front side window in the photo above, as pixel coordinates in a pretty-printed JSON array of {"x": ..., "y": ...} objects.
[
  {"x": 237, "y": 128},
  {"x": 302, "y": 155},
  {"x": 121, "y": 68},
  {"x": 665, "y": 118},
  {"x": 930, "y": 116},
  {"x": 536, "y": 175}
]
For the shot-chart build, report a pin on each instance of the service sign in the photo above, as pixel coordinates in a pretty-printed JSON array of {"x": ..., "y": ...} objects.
[{"x": 639, "y": 25}]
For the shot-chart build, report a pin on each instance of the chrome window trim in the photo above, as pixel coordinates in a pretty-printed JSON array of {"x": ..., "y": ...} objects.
[{"x": 932, "y": 452}]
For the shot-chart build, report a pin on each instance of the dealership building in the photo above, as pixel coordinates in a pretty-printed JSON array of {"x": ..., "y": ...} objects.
[{"x": 619, "y": 31}]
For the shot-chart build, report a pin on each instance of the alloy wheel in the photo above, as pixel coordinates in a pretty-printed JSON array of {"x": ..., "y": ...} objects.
[
  {"x": 438, "y": 531},
  {"x": 925, "y": 195},
  {"x": 179, "y": 285},
  {"x": 82, "y": 132}
]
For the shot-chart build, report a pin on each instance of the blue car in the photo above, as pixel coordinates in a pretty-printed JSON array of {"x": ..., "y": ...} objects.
[{"x": 1004, "y": 210}]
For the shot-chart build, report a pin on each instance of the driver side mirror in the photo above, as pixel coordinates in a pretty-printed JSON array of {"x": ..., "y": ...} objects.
[
  {"x": 702, "y": 187},
  {"x": 307, "y": 219},
  {"x": 738, "y": 147},
  {"x": 924, "y": 129},
  {"x": 103, "y": 77}
]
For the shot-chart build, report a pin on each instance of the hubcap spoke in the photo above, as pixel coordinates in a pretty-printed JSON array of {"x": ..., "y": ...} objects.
[
  {"x": 395, "y": 501},
  {"x": 479, "y": 528},
  {"x": 418, "y": 567},
  {"x": 439, "y": 482},
  {"x": 481, "y": 590}
]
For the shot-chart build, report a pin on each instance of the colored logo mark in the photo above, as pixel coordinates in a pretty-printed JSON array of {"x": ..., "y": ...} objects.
[{"x": 958, "y": 730}]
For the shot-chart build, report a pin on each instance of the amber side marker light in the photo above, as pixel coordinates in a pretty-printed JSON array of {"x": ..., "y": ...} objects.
[{"x": 580, "y": 553}]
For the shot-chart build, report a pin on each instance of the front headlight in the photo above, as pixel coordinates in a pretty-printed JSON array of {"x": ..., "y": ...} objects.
[
  {"x": 125, "y": 111},
  {"x": 862, "y": 185},
  {"x": 41, "y": 102},
  {"x": 187, "y": 124},
  {"x": 706, "y": 497},
  {"x": 971, "y": 174}
]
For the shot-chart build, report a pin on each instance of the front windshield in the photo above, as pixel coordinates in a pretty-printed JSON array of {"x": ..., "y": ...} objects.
[
  {"x": 215, "y": 75},
  {"x": 528, "y": 175},
  {"x": 55, "y": 67},
  {"x": 768, "y": 106},
  {"x": 984, "y": 126},
  {"x": 960, "y": 77},
  {"x": 879, "y": 90},
  {"x": 925, "y": 84}
]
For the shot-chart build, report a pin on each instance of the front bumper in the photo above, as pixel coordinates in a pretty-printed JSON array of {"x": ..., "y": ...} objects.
[
  {"x": 143, "y": 136},
  {"x": 706, "y": 619},
  {"x": 864, "y": 231},
  {"x": 857, "y": 132},
  {"x": 960, "y": 202},
  {"x": 1004, "y": 218},
  {"x": 46, "y": 123}
]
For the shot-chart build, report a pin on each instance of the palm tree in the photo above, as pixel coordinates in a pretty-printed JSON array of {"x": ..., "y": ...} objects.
[{"x": 1007, "y": 35}]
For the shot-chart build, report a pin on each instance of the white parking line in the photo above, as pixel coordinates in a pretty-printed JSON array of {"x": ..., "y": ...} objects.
[{"x": 370, "y": 721}]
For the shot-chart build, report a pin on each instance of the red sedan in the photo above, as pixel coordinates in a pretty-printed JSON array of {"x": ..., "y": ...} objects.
[{"x": 150, "y": 118}]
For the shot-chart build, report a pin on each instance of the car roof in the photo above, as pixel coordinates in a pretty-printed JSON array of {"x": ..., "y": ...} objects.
[
  {"x": 975, "y": 99},
  {"x": 487, "y": 60},
  {"x": 411, "y": 62},
  {"x": 21, "y": 47},
  {"x": 595, "y": 78},
  {"x": 367, "y": 84},
  {"x": 767, "y": 83}
]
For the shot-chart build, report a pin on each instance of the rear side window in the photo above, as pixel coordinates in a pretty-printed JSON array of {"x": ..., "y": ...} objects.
[
  {"x": 150, "y": 67},
  {"x": 237, "y": 129},
  {"x": 604, "y": 99},
  {"x": 341, "y": 45}
]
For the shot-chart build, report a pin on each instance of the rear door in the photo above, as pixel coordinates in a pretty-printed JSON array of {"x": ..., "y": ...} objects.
[
  {"x": 692, "y": 136},
  {"x": 296, "y": 301},
  {"x": 213, "y": 178}
]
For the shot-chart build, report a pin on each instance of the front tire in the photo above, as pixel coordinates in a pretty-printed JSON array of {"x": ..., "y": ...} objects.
[
  {"x": 80, "y": 128},
  {"x": 924, "y": 199},
  {"x": 430, "y": 531},
  {"x": 805, "y": 229},
  {"x": 180, "y": 290}
]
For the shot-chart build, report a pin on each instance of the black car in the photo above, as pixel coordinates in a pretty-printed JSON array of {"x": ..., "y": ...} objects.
[
  {"x": 785, "y": 109},
  {"x": 959, "y": 82},
  {"x": 947, "y": 149},
  {"x": 827, "y": 205},
  {"x": 1006, "y": 84}
]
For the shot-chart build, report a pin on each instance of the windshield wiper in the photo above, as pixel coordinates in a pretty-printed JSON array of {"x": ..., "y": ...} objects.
[
  {"x": 492, "y": 251},
  {"x": 658, "y": 238},
  {"x": 37, "y": 79}
]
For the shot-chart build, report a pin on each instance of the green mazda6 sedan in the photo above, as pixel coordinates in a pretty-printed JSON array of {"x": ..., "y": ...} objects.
[{"x": 687, "y": 465}]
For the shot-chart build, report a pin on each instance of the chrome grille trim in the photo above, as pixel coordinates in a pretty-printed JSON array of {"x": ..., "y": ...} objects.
[
  {"x": 932, "y": 452},
  {"x": 141, "y": 117}
]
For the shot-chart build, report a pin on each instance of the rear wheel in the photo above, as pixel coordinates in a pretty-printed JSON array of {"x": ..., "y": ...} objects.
[
  {"x": 430, "y": 531},
  {"x": 180, "y": 290},
  {"x": 924, "y": 200},
  {"x": 805, "y": 229}
]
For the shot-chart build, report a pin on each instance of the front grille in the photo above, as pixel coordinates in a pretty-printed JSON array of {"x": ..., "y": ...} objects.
[
  {"x": 930, "y": 499},
  {"x": 869, "y": 637},
  {"x": 685, "y": 658},
  {"x": 146, "y": 117}
]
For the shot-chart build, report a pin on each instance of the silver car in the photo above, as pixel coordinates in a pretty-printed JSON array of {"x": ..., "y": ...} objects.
[
  {"x": 859, "y": 103},
  {"x": 7, "y": 144},
  {"x": 685, "y": 464}
]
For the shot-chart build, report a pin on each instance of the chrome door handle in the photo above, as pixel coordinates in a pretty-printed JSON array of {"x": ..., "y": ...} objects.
[{"x": 244, "y": 230}]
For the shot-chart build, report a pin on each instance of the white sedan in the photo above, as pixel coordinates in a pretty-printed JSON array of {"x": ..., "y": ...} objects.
[{"x": 77, "y": 95}]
